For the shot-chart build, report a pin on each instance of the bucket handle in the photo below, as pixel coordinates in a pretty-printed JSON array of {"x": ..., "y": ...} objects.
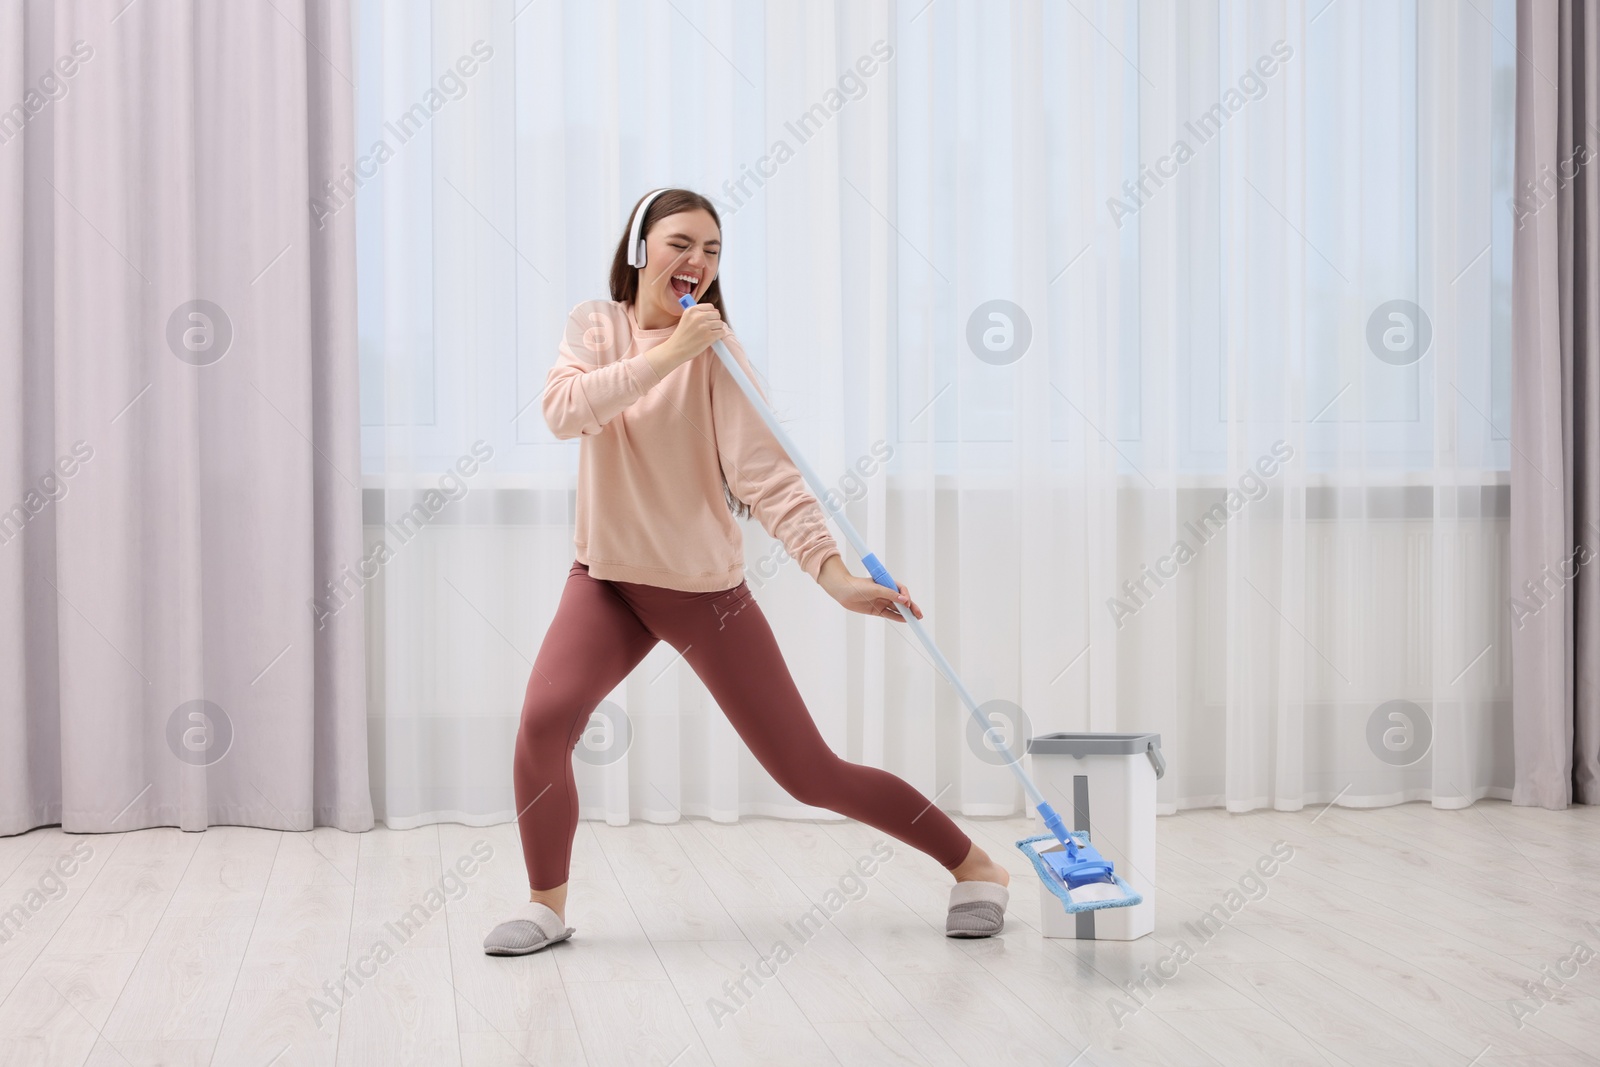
[{"x": 1153, "y": 750}]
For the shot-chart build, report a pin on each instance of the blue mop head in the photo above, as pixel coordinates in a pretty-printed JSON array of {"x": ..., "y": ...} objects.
[{"x": 1082, "y": 871}]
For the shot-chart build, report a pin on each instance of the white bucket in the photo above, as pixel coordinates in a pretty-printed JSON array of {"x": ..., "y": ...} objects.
[{"x": 1105, "y": 786}]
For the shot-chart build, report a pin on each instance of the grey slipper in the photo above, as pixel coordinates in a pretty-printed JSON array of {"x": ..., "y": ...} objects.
[
  {"x": 977, "y": 909},
  {"x": 534, "y": 927}
]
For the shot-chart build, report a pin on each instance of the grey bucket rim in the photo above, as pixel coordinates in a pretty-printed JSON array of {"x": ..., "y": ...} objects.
[{"x": 1078, "y": 745}]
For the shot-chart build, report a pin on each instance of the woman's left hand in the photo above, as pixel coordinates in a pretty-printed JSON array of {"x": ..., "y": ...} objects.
[{"x": 864, "y": 595}]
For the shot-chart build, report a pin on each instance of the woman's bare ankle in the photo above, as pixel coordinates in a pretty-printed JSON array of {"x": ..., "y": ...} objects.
[
  {"x": 554, "y": 899},
  {"x": 978, "y": 867}
]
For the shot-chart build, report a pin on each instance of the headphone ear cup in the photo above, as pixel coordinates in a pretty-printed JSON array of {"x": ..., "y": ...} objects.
[{"x": 637, "y": 259}]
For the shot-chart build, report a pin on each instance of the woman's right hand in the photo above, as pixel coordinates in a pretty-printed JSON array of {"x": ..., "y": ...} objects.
[{"x": 698, "y": 326}]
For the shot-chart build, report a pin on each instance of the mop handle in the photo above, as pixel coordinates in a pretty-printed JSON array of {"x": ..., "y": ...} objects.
[{"x": 880, "y": 574}]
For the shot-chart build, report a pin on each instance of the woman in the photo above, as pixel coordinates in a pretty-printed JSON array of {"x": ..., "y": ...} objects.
[{"x": 672, "y": 451}]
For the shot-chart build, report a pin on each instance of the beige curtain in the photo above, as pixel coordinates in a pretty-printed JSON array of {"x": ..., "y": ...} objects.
[
  {"x": 179, "y": 468},
  {"x": 1555, "y": 469}
]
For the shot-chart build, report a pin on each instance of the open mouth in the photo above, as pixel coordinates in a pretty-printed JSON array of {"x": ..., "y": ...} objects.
[{"x": 684, "y": 282}]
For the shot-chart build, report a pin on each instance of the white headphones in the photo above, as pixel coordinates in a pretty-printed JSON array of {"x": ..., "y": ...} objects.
[{"x": 635, "y": 238}]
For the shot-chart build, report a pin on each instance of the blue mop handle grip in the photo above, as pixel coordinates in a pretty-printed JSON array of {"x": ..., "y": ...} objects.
[
  {"x": 1053, "y": 822},
  {"x": 879, "y": 572}
]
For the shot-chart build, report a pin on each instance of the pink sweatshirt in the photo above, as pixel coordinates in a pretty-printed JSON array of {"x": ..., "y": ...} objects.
[{"x": 650, "y": 470}]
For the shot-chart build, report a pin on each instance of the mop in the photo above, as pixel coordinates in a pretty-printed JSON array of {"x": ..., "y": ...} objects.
[{"x": 1069, "y": 866}]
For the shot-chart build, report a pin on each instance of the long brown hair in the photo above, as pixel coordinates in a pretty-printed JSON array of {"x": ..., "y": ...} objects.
[{"x": 625, "y": 277}]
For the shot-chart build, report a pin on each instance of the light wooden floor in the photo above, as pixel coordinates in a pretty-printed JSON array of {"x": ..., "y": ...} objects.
[{"x": 1400, "y": 936}]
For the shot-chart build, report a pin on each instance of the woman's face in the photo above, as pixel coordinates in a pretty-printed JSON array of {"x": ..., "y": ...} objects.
[{"x": 681, "y": 254}]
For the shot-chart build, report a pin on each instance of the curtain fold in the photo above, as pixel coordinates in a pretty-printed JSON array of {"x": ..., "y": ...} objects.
[
  {"x": 1161, "y": 348},
  {"x": 178, "y": 393},
  {"x": 1555, "y": 474}
]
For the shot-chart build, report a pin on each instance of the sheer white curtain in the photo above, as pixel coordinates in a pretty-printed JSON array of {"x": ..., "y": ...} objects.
[{"x": 1197, "y": 218}]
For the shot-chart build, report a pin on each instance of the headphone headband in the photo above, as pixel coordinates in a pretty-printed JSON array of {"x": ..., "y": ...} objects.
[{"x": 635, "y": 238}]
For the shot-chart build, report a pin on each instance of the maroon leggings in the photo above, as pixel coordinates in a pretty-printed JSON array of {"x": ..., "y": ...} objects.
[{"x": 602, "y": 630}]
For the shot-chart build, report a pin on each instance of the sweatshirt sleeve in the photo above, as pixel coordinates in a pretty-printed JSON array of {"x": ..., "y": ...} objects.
[
  {"x": 589, "y": 384},
  {"x": 761, "y": 473}
]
